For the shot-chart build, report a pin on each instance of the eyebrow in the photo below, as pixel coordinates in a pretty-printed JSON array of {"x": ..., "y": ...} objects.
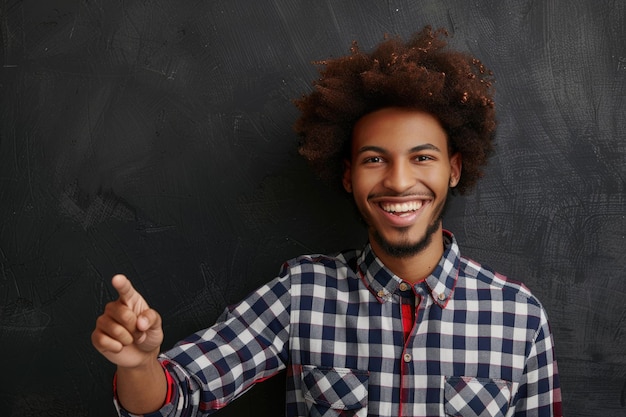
[{"x": 419, "y": 148}]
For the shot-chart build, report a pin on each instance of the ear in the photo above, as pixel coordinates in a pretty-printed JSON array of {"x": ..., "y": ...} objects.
[
  {"x": 347, "y": 176},
  {"x": 456, "y": 163}
]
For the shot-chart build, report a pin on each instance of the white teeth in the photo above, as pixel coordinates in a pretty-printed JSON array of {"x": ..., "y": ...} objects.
[{"x": 402, "y": 207}]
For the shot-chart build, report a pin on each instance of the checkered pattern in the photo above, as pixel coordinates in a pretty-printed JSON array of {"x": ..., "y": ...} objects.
[
  {"x": 328, "y": 390},
  {"x": 480, "y": 344},
  {"x": 470, "y": 397}
]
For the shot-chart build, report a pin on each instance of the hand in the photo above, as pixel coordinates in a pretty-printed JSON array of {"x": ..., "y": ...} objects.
[{"x": 129, "y": 332}]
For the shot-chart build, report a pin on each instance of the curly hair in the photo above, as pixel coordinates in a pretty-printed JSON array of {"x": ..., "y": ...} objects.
[{"x": 421, "y": 74}]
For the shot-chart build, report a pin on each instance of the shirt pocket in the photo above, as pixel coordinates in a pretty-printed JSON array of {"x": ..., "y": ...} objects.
[
  {"x": 335, "y": 391},
  {"x": 469, "y": 397}
]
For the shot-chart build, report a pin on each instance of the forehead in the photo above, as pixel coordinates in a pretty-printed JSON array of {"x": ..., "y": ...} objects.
[{"x": 398, "y": 127}]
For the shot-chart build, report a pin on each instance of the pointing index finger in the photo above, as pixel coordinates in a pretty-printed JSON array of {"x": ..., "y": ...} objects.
[{"x": 123, "y": 287}]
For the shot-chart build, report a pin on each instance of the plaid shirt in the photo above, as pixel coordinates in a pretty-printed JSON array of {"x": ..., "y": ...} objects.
[{"x": 480, "y": 345}]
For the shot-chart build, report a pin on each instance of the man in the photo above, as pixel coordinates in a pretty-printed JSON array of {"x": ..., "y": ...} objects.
[{"x": 405, "y": 326}]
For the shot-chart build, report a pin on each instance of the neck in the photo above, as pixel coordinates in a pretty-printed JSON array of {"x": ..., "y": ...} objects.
[{"x": 416, "y": 267}]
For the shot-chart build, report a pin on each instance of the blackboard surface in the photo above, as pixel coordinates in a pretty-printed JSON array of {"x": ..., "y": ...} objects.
[{"x": 154, "y": 138}]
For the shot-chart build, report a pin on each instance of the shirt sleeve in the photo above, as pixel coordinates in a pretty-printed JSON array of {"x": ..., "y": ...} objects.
[
  {"x": 248, "y": 344},
  {"x": 540, "y": 392}
]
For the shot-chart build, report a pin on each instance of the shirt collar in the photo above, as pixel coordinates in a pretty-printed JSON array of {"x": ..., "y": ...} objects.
[{"x": 439, "y": 284}]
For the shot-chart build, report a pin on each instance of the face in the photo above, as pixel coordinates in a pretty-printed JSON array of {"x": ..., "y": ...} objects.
[{"x": 399, "y": 174}]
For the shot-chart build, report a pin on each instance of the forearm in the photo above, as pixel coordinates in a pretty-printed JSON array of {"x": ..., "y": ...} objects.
[{"x": 143, "y": 389}]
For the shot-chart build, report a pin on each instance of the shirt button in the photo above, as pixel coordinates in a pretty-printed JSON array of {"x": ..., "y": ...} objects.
[
  {"x": 381, "y": 293},
  {"x": 441, "y": 297},
  {"x": 404, "y": 286},
  {"x": 407, "y": 357}
]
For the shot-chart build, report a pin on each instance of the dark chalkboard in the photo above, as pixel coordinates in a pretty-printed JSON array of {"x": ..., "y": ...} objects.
[{"x": 154, "y": 138}]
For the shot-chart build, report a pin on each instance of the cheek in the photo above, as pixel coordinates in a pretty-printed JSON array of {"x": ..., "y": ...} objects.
[
  {"x": 362, "y": 185},
  {"x": 358, "y": 192},
  {"x": 438, "y": 178}
]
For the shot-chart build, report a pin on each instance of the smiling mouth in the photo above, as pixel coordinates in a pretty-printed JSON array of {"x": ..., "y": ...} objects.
[{"x": 402, "y": 209}]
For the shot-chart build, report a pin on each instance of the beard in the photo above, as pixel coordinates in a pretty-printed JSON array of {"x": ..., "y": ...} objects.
[{"x": 407, "y": 249}]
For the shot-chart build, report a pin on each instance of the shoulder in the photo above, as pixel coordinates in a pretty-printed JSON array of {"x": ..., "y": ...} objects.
[
  {"x": 339, "y": 265},
  {"x": 514, "y": 304},
  {"x": 482, "y": 277}
]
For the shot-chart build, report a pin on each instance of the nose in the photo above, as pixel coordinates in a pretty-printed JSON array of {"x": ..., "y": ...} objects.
[{"x": 399, "y": 177}]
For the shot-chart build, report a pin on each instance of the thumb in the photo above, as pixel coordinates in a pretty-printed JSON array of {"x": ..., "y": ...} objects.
[
  {"x": 148, "y": 320},
  {"x": 151, "y": 332}
]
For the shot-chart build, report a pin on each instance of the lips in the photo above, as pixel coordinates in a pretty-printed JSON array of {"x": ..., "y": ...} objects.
[
  {"x": 402, "y": 209},
  {"x": 402, "y": 212}
]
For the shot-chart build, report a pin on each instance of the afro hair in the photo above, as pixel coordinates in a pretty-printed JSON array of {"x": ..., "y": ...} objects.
[{"x": 421, "y": 74}]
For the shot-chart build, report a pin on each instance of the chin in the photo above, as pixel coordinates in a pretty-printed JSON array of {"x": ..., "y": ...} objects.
[
  {"x": 404, "y": 250},
  {"x": 407, "y": 249}
]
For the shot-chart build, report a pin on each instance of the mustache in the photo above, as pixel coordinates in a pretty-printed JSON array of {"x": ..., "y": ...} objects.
[{"x": 415, "y": 195}]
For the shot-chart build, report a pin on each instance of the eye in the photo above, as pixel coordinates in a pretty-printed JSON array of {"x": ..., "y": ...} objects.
[
  {"x": 424, "y": 158},
  {"x": 373, "y": 160}
]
